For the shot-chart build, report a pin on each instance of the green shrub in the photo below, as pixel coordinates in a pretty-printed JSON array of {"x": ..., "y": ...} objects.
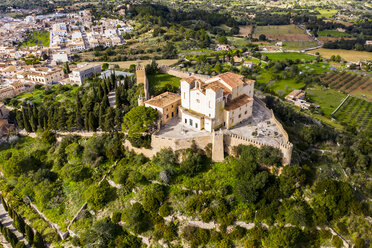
[
  {"x": 165, "y": 210},
  {"x": 337, "y": 242},
  {"x": 116, "y": 217}
]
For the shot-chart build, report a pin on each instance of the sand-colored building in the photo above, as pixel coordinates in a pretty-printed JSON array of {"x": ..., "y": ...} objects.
[{"x": 166, "y": 104}]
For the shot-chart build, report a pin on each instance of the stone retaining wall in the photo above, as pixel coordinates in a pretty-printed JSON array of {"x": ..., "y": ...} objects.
[{"x": 182, "y": 74}]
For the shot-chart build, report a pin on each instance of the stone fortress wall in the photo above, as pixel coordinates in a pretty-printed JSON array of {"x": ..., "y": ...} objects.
[
  {"x": 182, "y": 74},
  {"x": 221, "y": 142}
]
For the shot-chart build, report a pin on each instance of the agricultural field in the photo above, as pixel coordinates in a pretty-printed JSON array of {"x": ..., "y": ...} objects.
[
  {"x": 349, "y": 83},
  {"x": 282, "y": 33},
  {"x": 290, "y": 55},
  {"x": 349, "y": 55},
  {"x": 37, "y": 39},
  {"x": 355, "y": 112},
  {"x": 245, "y": 30}
]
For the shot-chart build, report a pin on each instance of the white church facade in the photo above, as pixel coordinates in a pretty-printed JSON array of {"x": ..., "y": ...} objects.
[{"x": 223, "y": 100}]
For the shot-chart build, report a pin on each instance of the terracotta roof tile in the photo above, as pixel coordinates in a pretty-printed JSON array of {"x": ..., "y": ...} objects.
[
  {"x": 238, "y": 102},
  {"x": 164, "y": 99}
]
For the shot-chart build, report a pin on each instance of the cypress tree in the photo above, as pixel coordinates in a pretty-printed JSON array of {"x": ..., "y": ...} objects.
[
  {"x": 86, "y": 122},
  {"x": 4, "y": 204},
  {"x": 99, "y": 92},
  {"x": 19, "y": 119},
  {"x": 26, "y": 122},
  {"x": 19, "y": 223},
  {"x": 92, "y": 122},
  {"x": 101, "y": 116},
  {"x": 38, "y": 241},
  {"x": 105, "y": 102},
  {"x": 61, "y": 117},
  {"x": 20, "y": 244},
  {"x": 79, "y": 122},
  {"x": 109, "y": 120},
  {"x": 29, "y": 234},
  {"x": 117, "y": 96},
  {"x": 67, "y": 68}
]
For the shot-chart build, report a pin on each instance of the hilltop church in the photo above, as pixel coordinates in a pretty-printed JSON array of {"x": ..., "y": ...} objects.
[{"x": 223, "y": 100}]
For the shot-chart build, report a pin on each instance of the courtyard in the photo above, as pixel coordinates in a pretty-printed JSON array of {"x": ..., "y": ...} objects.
[{"x": 259, "y": 127}]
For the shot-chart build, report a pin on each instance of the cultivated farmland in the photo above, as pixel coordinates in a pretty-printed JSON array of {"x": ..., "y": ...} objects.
[
  {"x": 282, "y": 33},
  {"x": 349, "y": 55},
  {"x": 245, "y": 30},
  {"x": 355, "y": 112},
  {"x": 349, "y": 83}
]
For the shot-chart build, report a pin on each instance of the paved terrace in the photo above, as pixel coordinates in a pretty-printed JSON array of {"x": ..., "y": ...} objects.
[
  {"x": 261, "y": 122},
  {"x": 175, "y": 128}
]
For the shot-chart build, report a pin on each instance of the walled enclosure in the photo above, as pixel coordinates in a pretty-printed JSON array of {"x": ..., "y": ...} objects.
[{"x": 218, "y": 144}]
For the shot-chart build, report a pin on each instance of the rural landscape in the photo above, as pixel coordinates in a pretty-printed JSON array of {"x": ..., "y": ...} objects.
[{"x": 217, "y": 124}]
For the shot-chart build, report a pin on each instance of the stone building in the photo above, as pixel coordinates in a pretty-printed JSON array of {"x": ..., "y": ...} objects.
[
  {"x": 83, "y": 72},
  {"x": 166, "y": 104},
  {"x": 223, "y": 100}
]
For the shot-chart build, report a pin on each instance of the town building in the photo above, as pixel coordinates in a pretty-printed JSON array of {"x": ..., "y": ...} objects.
[
  {"x": 223, "y": 100},
  {"x": 45, "y": 75},
  {"x": 297, "y": 98},
  {"x": 166, "y": 104},
  {"x": 83, "y": 72}
]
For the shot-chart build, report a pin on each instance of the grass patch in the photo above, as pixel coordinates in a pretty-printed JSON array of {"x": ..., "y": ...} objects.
[
  {"x": 158, "y": 82},
  {"x": 298, "y": 45},
  {"x": 291, "y": 56},
  {"x": 238, "y": 42},
  {"x": 37, "y": 39},
  {"x": 327, "y": 99},
  {"x": 61, "y": 93},
  {"x": 327, "y": 13},
  {"x": 317, "y": 68},
  {"x": 333, "y": 33},
  {"x": 281, "y": 87}
]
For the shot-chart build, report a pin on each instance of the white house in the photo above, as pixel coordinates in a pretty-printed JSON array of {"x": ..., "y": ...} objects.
[{"x": 223, "y": 100}]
